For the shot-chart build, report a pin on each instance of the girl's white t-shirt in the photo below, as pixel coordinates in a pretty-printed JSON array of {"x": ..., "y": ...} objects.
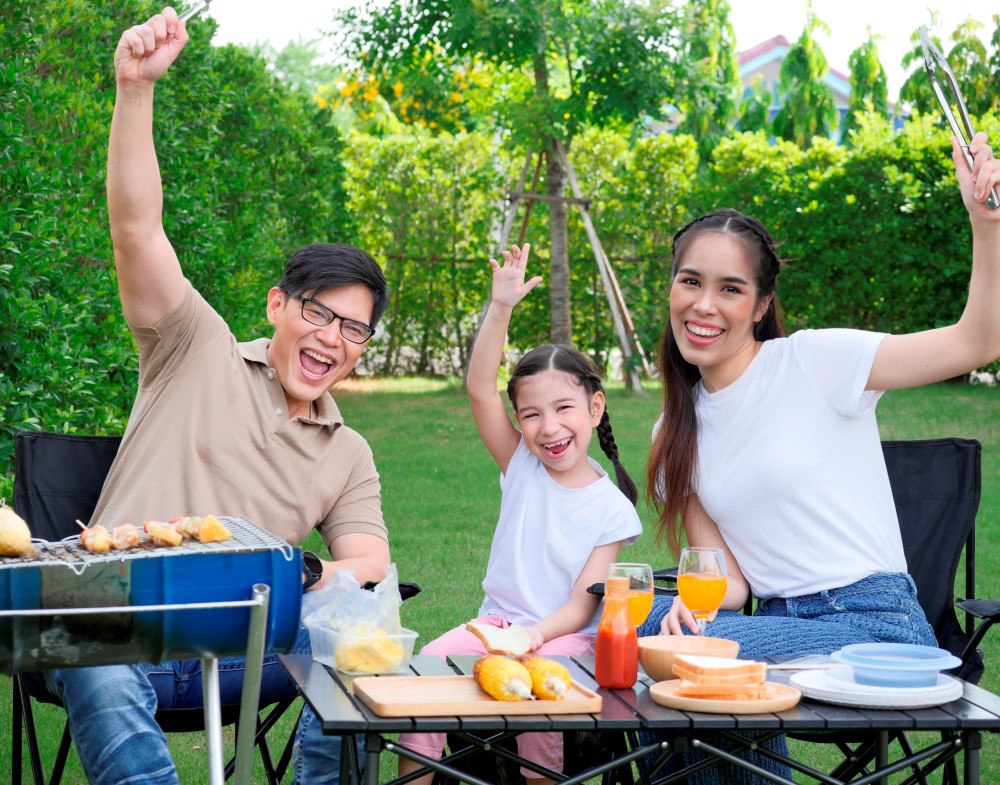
[
  {"x": 790, "y": 466},
  {"x": 545, "y": 535}
]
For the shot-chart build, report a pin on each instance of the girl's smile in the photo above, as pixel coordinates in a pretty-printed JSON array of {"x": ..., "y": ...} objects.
[{"x": 557, "y": 420}]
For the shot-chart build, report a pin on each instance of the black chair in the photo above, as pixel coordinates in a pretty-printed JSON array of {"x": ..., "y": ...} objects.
[
  {"x": 57, "y": 480},
  {"x": 936, "y": 486}
]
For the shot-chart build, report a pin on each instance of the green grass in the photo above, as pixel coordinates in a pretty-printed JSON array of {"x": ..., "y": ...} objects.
[{"x": 441, "y": 498}]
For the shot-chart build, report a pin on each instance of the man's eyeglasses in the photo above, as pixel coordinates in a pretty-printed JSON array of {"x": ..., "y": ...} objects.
[{"x": 316, "y": 313}]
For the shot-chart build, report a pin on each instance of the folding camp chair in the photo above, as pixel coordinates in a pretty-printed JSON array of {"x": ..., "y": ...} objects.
[
  {"x": 936, "y": 486},
  {"x": 57, "y": 480}
]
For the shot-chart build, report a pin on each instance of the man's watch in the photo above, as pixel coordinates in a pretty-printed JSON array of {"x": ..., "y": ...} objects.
[{"x": 312, "y": 569}]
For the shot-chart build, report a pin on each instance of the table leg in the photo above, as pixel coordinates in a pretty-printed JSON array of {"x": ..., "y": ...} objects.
[
  {"x": 252, "y": 675},
  {"x": 973, "y": 743},
  {"x": 882, "y": 755},
  {"x": 373, "y": 748},
  {"x": 213, "y": 719}
]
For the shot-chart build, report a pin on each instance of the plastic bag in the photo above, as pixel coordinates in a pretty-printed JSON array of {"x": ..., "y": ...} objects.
[{"x": 345, "y": 605}]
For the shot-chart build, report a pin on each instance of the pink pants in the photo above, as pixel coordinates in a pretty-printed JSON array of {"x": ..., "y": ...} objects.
[{"x": 545, "y": 749}]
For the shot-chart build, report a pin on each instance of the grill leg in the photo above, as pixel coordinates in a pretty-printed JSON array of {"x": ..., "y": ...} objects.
[
  {"x": 252, "y": 675},
  {"x": 213, "y": 720}
]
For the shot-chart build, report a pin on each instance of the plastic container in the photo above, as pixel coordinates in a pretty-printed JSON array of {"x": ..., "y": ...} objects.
[
  {"x": 369, "y": 653},
  {"x": 896, "y": 664},
  {"x": 616, "y": 662}
]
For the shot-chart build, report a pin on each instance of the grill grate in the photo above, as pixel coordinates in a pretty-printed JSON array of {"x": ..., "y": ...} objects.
[{"x": 71, "y": 553}]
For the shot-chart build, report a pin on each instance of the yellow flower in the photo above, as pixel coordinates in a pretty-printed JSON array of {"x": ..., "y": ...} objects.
[
  {"x": 321, "y": 102},
  {"x": 397, "y": 89},
  {"x": 370, "y": 93}
]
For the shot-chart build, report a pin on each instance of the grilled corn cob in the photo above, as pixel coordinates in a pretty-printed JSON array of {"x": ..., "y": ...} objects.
[
  {"x": 502, "y": 678},
  {"x": 549, "y": 679}
]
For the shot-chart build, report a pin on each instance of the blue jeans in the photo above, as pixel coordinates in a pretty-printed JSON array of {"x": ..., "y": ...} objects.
[
  {"x": 111, "y": 714},
  {"x": 881, "y": 608}
]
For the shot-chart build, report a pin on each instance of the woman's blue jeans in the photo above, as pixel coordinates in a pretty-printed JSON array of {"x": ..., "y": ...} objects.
[
  {"x": 111, "y": 714},
  {"x": 881, "y": 608}
]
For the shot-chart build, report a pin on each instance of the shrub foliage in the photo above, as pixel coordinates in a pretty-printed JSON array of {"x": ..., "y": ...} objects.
[{"x": 875, "y": 232}]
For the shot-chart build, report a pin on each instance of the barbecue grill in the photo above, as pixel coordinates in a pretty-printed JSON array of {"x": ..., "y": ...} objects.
[{"x": 65, "y": 606}]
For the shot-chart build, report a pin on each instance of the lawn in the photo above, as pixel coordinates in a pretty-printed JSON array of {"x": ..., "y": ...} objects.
[{"x": 441, "y": 500}]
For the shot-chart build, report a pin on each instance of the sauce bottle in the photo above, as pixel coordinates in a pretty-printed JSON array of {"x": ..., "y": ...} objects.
[{"x": 617, "y": 655}]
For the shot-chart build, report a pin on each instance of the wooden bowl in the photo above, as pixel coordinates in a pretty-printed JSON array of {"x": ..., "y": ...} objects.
[{"x": 656, "y": 652}]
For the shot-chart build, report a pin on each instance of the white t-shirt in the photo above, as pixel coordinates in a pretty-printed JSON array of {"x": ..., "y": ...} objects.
[
  {"x": 545, "y": 536},
  {"x": 790, "y": 466}
]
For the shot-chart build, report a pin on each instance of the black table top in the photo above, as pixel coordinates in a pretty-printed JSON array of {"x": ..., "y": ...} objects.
[{"x": 329, "y": 694}]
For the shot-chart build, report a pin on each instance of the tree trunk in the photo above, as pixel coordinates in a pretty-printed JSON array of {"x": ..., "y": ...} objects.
[{"x": 560, "y": 313}]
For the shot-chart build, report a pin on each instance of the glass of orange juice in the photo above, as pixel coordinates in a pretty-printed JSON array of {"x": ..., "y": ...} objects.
[
  {"x": 640, "y": 588},
  {"x": 701, "y": 582}
]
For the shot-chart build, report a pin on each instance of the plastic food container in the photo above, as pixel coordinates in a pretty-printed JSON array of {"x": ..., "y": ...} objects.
[
  {"x": 365, "y": 652},
  {"x": 896, "y": 664}
]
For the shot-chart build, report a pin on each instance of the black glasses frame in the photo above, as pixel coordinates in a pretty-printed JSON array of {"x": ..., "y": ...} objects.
[{"x": 328, "y": 315}]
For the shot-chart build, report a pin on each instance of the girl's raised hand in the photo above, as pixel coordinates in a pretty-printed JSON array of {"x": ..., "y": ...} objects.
[{"x": 509, "y": 286}]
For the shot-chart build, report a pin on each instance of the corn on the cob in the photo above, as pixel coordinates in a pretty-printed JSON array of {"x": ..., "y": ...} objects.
[
  {"x": 549, "y": 679},
  {"x": 502, "y": 678}
]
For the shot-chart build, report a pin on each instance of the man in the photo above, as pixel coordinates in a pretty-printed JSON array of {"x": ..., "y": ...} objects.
[{"x": 223, "y": 427}]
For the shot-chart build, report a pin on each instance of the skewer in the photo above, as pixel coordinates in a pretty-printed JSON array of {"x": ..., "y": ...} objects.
[{"x": 81, "y": 524}]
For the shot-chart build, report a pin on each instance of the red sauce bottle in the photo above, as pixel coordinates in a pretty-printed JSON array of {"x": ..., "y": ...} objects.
[{"x": 617, "y": 656}]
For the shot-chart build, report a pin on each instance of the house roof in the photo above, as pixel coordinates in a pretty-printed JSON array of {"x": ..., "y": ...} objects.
[{"x": 768, "y": 55}]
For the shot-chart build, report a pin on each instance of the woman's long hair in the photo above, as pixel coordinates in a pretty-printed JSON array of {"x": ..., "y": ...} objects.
[
  {"x": 557, "y": 357},
  {"x": 670, "y": 471}
]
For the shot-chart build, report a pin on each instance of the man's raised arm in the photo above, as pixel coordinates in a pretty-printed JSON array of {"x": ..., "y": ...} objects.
[{"x": 150, "y": 280}]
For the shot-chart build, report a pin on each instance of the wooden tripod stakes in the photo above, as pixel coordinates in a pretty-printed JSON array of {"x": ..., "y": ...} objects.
[{"x": 633, "y": 357}]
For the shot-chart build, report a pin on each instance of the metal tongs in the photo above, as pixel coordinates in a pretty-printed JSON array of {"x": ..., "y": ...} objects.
[
  {"x": 197, "y": 8},
  {"x": 934, "y": 62}
]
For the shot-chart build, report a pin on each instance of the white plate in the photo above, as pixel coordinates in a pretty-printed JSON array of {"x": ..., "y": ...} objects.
[{"x": 819, "y": 685}]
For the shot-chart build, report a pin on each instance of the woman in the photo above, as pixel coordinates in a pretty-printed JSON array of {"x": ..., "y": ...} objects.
[{"x": 768, "y": 447}]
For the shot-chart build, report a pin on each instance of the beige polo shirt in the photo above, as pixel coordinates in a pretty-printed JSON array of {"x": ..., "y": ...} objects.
[{"x": 209, "y": 433}]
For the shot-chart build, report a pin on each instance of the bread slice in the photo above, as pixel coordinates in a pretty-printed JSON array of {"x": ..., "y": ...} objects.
[
  {"x": 688, "y": 689},
  {"x": 720, "y": 671},
  {"x": 509, "y": 640}
]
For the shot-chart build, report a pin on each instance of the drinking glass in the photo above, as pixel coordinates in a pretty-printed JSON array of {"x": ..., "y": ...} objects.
[
  {"x": 640, "y": 588},
  {"x": 701, "y": 582}
]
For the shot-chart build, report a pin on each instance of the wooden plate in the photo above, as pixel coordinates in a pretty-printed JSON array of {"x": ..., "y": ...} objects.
[
  {"x": 440, "y": 696},
  {"x": 782, "y": 697}
]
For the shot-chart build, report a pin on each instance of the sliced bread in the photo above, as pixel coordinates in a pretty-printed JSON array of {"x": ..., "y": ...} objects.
[
  {"x": 721, "y": 671},
  {"x": 509, "y": 640}
]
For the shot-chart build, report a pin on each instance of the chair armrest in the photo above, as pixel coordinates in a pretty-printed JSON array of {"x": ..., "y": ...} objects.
[{"x": 981, "y": 609}]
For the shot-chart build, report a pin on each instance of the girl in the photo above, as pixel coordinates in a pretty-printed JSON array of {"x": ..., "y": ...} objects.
[
  {"x": 561, "y": 520},
  {"x": 768, "y": 446}
]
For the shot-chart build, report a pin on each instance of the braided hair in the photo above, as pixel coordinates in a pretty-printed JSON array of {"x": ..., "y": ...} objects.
[
  {"x": 670, "y": 471},
  {"x": 559, "y": 357}
]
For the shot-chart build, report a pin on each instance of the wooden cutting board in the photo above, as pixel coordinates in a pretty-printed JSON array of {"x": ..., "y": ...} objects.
[{"x": 439, "y": 696}]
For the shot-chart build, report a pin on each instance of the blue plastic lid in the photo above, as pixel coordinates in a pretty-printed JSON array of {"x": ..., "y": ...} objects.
[{"x": 897, "y": 656}]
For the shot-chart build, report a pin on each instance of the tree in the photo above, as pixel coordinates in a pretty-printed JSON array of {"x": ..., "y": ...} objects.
[
  {"x": 869, "y": 89},
  {"x": 755, "y": 109},
  {"x": 299, "y": 64},
  {"x": 709, "y": 95},
  {"x": 807, "y": 108},
  {"x": 970, "y": 62},
  {"x": 563, "y": 64}
]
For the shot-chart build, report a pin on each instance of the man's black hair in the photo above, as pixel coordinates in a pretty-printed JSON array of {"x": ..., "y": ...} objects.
[{"x": 320, "y": 266}]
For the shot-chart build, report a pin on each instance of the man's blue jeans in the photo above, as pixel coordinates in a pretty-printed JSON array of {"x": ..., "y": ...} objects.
[{"x": 111, "y": 714}]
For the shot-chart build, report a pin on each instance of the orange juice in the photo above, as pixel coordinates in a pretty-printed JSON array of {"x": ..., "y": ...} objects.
[
  {"x": 701, "y": 593},
  {"x": 639, "y": 605}
]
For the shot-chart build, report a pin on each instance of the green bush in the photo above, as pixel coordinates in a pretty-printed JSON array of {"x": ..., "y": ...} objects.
[{"x": 250, "y": 173}]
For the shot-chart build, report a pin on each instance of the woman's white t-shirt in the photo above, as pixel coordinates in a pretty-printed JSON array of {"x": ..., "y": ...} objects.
[
  {"x": 790, "y": 466},
  {"x": 545, "y": 535}
]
